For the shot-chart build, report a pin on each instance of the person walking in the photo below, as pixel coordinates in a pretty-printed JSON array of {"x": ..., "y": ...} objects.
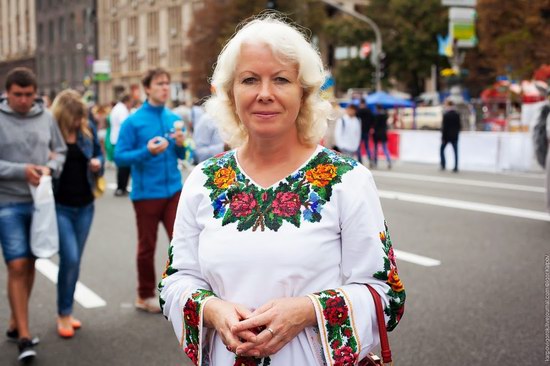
[
  {"x": 450, "y": 129},
  {"x": 151, "y": 146},
  {"x": 366, "y": 117},
  {"x": 118, "y": 115},
  {"x": 74, "y": 199},
  {"x": 31, "y": 146},
  {"x": 380, "y": 135},
  {"x": 275, "y": 241},
  {"x": 347, "y": 132},
  {"x": 207, "y": 138}
]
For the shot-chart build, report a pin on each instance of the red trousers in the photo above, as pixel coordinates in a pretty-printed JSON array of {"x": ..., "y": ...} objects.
[{"x": 148, "y": 215}]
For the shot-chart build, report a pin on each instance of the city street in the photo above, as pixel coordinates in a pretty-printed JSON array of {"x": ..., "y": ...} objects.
[{"x": 471, "y": 253}]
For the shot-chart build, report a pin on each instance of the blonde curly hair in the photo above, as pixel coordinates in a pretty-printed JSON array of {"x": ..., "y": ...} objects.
[{"x": 288, "y": 43}]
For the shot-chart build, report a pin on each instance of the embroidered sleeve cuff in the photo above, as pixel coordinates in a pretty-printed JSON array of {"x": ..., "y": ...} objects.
[
  {"x": 336, "y": 327},
  {"x": 193, "y": 324}
]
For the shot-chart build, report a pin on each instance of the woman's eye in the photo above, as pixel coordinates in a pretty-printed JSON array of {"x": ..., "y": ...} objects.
[
  {"x": 249, "y": 80},
  {"x": 281, "y": 80}
]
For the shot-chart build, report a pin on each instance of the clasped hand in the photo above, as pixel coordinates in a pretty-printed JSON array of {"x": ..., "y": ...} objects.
[{"x": 262, "y": 332}]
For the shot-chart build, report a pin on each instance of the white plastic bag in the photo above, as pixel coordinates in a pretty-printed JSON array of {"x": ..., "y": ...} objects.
[{"x": 44, "y": 235}]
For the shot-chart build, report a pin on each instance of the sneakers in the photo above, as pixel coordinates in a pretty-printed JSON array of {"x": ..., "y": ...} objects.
[
  {"x": 26, "y": 351},
  {"x": 13, "y": 336},
  {"x": 150, "y": 305},
  {"x": 121, "y": 193}
]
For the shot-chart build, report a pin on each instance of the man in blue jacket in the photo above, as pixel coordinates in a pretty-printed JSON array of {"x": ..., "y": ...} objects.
[{"x": 150, "y": 144}]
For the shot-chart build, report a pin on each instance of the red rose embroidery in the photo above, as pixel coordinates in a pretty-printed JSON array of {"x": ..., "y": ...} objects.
[
  {"x": 336, "y": 311},
  {"x": 286, "y": 204},
  {"x": 242, "y": 204},
  {"x": 190, "y": 314},
  {"x": 347, "y": 332},
  {"x": 335, "y": 344},
  {"x": 344, "y": 356},
  {"x": 192, "y": 352},
  {"x": 245, "y": 361},
  {"x": 391, "y": 257}
]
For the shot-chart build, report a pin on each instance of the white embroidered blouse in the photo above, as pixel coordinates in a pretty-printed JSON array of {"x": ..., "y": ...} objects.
[{"x": 320, "y": 232}]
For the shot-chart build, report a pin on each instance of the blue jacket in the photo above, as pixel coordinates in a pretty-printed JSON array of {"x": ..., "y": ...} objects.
[{"x": 153, "y": 176}]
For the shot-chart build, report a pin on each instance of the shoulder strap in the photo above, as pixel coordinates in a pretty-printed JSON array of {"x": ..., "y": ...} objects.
[{"x": 384, "y": 342}]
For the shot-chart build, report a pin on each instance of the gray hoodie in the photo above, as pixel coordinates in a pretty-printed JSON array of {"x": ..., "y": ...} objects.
[{"x": 27, "y": 139}]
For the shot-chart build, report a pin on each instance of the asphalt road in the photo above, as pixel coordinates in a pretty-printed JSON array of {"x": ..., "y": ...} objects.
[{"x": 478, "y": 298}]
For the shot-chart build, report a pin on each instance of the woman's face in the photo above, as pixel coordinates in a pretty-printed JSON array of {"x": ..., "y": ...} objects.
[{"x": 267, "y": 93}]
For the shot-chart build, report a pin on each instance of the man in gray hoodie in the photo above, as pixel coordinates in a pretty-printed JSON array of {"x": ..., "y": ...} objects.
[{"x": 31, "y": 145}]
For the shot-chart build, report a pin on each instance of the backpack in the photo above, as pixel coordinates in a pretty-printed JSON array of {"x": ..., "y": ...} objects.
[{"x": 540, "y": 140}]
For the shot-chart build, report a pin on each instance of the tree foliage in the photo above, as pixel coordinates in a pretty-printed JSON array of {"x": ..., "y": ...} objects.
[
  {"x": 513, "y": 40},
  {"x": 217, "y": 20}
]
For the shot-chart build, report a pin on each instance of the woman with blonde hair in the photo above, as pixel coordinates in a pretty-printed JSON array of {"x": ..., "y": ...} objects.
[
  {"x": 74, "y": 199},
  {"x": 275, "y": 240}
]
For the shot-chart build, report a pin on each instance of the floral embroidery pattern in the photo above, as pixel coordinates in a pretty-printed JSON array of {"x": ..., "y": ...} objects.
[
  {"x": 191, "y": 320},
  {"x": 300, "y": 196},
  {"x": 251, "y": 361},
  {"x": 167, "y": 272},
  {"x": 339, "y": 331},
  {"x": 396, "y": 293}
]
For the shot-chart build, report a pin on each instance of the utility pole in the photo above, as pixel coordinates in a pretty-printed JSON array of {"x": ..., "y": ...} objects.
[{"x": 378, "y": 48}]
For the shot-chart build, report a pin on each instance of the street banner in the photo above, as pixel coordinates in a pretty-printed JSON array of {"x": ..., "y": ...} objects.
[{"x": 462, "y": 26}]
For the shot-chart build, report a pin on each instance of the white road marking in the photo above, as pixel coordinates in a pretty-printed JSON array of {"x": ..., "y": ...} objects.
[
  {"x": 416, "y": 259},
  {"x": 466, "y": 182},
  {"x": 466, "y": 205},
  {"x": 83, "y": 295}
]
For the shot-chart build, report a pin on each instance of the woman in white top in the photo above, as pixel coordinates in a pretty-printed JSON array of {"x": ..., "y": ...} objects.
[
  {"x": 275, "y": 240},
  {"x": 347, "y": 133}
]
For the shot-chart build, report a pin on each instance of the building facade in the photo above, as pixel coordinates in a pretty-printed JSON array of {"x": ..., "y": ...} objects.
[
  {"x": 135, "y": 35},
  {"x": 17, "y": 36},
  {"x": 66, "y": 45}
]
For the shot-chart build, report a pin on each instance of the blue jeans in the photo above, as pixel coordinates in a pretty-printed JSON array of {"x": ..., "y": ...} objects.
[
  {"x": 15, "y": 226},
  {"x": 74, "y": 225},
  {"x": 384, "y": 148}
]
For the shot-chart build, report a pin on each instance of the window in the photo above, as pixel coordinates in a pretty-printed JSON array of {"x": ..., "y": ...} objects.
[
  {"x": 72, "y": 26},
  {"x": 40, "y": 34},
  {"x": 174, "y": 18},
  {"x": 152, "y": 25},
  {"x": 51, "y": 32},
  {"x": 153, "y": 57},
  {"x": 62, "y": 33},
  {"x": 62, "y": 69},
  {"x": 175, "y": 57},
  {"x": 133, "y": 27},
  {"x": 51, "y": 62},
  {"x": 115, "y": 29},
  {"x": 133, "y": 62},
  {"x": 115, "y": 62}
]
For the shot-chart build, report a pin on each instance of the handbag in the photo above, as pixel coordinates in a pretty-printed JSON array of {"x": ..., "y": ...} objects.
[
  {"x": 44, "y": 237},
  {"x": 372, "y": 359},
  {"x": 99, "y": 186}
]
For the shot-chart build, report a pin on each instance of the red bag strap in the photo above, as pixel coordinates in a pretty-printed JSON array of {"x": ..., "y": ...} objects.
[{"x": 384, "y": 342}]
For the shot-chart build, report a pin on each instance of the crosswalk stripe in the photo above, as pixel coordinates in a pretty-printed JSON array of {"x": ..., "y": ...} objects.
[{"x": 83, "y": 295}]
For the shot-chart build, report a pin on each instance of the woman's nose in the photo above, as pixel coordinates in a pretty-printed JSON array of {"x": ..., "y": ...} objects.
[{"x": 265, "y": 93}]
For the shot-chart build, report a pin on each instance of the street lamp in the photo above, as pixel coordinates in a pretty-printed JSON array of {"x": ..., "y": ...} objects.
[{"x": 372, "y": 24}]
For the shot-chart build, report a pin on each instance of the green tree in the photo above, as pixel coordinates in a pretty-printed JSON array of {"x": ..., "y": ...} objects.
[
  {"x": 217, "y": 20},
  {"x": 409, "y": 31},
  {"x": 513, "y": 40}
]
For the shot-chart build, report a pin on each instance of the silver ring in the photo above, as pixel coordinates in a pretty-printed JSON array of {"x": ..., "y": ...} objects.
[{"x": 270, "y": 331}]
